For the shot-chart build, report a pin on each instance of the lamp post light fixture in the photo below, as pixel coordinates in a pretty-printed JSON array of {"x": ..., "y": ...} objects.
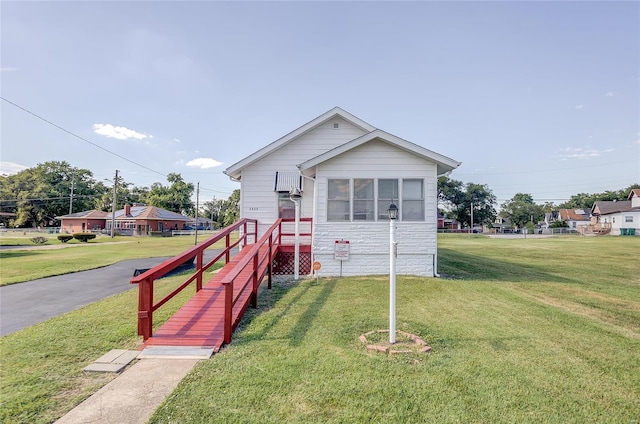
[
  {"x": 295, "y": 195},
  {"x": 393, "y": 254}
]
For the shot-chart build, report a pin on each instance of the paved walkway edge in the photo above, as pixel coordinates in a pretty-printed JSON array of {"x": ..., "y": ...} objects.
[{"x": 134, "y": 395}]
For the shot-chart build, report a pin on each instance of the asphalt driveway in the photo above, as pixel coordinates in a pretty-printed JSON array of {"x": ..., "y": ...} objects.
[{"x": 26, "y": 304}]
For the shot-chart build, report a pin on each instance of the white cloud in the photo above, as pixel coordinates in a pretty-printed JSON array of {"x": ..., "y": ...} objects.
[
  {"x": 203, "y": 163},
  {"x": 579, "y": 106},
  {"x": 177, "y": 140},
  {"x": 609, "y": 94},
  {"x": 581, "y": 153},
  {"x": 8, "y": 69},
  {"x": 10, "y": 168},
  {"x": 121, "y": 133}
]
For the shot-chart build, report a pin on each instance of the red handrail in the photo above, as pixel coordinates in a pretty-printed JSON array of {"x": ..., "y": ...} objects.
[
  {"x": 145, "y": 281},
  {"x": 229, "y": 281}
]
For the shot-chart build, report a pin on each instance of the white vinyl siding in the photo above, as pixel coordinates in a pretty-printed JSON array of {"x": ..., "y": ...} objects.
[{"x": 258, "y": 200}]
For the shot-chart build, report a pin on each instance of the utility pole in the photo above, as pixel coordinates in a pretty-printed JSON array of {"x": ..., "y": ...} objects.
[
  {"x": 73, "y": 180},
  {"x": 113, "y": 207},
  {"x": 213, "y": 206},
  {"x": 471, "y": 217},
  {"x": 197, "y": 206}
]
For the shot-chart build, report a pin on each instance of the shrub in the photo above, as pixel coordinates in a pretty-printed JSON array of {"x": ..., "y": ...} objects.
[
  {"x": 559, "y": 224},
  {"x": 39, "y": 240},
  {"x": 65, "y": 237},
  {"x": 84, "y": 237}
]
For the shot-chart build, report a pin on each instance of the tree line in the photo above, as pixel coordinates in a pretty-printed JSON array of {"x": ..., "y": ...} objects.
[
  {"x": 36, "y": 196},
  {"x": 455, "y": 200}
]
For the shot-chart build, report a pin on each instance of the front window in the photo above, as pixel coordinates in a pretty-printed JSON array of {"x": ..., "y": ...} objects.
[
  {"x": 286, "y": 207},
  {"x": 412, "y": 200},
  {"x": 338, "y": 200},
  {"x": 387, "y": 194},
  {"x": 357, "y": 199},
  {"x": 363, "y": 204},
  {"x": 628, "y": 218}
]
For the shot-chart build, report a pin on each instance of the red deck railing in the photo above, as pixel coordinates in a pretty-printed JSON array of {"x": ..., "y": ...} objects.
[
  {"x": 259, "y": 260},
  {"x": 145, "y": 281}
]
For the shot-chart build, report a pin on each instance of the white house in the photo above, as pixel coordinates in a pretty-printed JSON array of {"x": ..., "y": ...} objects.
[
  {"x": 349, "y": 173},
  {"x": 621, "y": 216}
]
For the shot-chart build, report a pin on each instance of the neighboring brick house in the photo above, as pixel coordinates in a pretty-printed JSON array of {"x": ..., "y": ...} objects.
[
  {"x": 349, "y": 173},
  {"x": 132, "y": 220}
]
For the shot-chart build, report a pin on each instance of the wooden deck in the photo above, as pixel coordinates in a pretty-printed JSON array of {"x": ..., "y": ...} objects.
[{"x": 200, "y": 321}]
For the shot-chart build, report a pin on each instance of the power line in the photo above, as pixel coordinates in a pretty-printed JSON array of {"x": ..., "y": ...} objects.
[{"x": 82, "y": 138}]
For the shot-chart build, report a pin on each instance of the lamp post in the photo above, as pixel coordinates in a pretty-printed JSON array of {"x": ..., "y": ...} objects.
[
  {"x": 393, "y": 253},
  {"x": 295, "y": 195}
]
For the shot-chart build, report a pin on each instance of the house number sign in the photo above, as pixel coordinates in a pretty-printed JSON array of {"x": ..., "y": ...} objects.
[{"x": 341, "y": 250}]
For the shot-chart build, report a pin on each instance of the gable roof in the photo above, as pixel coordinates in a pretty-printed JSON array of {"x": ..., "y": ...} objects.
[
  {"x": 605, "y": 207},
  {"x": 234, "y": 171},
  {"x": 573, "y": 215},
  {"x": 635, "y": 192},
  {"x": 444, "y": 163},
  {"x": 90, "y": 214},
  {"x": 136, "y": 212},
  {"x": 150, "y": 213}
]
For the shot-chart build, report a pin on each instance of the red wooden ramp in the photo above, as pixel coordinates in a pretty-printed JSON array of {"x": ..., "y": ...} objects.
[{"x": 201, "y": 320}]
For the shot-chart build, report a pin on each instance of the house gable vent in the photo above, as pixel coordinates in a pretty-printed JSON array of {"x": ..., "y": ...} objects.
[{"x": 336, "y": 126}]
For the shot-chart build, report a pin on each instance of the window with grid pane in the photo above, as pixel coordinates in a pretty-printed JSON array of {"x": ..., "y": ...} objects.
[
  {"x": 338, "y": 207},
  {"x": 286, "y": 207},
  {"x": 387, "y": 194},
  {"x": 363, "y": 203},
  {"x": 412, "y": 200}
]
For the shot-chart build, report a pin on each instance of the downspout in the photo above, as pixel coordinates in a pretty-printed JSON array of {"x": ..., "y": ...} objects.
[
  {"x": 435, "y": 255},
  {"x": 313, "y": 212}
]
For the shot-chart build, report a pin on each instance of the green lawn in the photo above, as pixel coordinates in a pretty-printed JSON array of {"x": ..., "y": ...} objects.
[
  {"x": 535, "y": 330},
  {"x": 521, "y": 331}
]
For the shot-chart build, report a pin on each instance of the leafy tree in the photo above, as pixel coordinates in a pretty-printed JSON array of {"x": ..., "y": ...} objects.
[
  {"x": 521, "y": 209},
  {"x": 586, "y": 201},
  {"x": 456, "y": 199},
  {"x": 176, "y": 197},
  {"x": 213, "y": 210},
  {"x": 231, "y": 209},
  {"x": 450, "y": 195},
  {"x": 559, "y": 224},
  {"x": 37, "y": 195}
]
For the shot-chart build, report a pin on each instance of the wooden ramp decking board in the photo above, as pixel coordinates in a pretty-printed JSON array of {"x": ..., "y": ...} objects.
[{"x": 200, "y": 321}]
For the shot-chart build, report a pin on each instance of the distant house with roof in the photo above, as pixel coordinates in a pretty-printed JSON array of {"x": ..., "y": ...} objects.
[
  {"x": 575, "y": 218},
  {"x": 132, "y": 220},
  {"x": 621, "y": 217}
]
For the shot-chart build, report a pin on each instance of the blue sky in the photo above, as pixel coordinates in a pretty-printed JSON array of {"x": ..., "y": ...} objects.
[{"x": 534, "y": 97}]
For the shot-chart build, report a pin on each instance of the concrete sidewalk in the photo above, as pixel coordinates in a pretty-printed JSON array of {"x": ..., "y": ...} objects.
[{"x": 134, "y": 395}]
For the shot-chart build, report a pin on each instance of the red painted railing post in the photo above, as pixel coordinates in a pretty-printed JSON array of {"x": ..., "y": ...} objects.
[
  {"x": 228, "y": 312},
  {"x": 145, "y": 308},
  {"x": 244, "y": 234},
  {"x": 254, "y": 291},
  {"x": 199, "y": 264},
  {"x": 270, "y": 264}
]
